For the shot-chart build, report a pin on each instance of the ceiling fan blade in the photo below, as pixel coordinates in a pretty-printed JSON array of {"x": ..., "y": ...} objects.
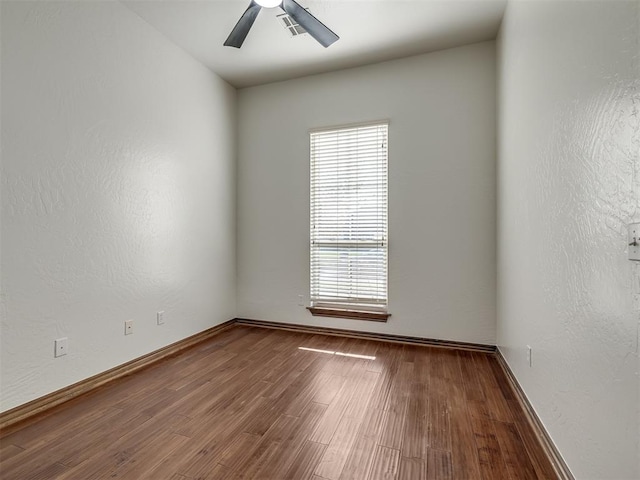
[
  {"x": 240, "y": 31},
  {"x": 311, "y": 24}
]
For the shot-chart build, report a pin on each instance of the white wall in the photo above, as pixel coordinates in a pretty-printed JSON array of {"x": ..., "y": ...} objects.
[
  {"x": 568, "y": 186},
  {"x": 441, "y": 184},
  {"x": 118, "y": 195}
]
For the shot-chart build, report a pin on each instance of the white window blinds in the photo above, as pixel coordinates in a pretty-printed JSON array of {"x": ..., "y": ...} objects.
[{"x": 349, "y": 217}]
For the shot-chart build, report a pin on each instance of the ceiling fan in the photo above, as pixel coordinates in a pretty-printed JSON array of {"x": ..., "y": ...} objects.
[{"x": 311, "y": 24}]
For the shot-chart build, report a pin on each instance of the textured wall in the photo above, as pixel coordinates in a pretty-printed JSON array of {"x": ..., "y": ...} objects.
[
  {"x": 117, "y": 193},
  {"x": 441, "y": 190},
  {"x": 568, "y": 186}
]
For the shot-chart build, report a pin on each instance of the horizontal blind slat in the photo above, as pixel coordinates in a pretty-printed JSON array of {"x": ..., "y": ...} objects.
[{"x": 349, "y": 215}]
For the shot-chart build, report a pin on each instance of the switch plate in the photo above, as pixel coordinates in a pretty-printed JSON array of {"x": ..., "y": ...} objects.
[
  {"x": 128, "y": 327},
  {"x": 61, "y": 346},
  {"x": 301, "y": 300},
  {"x": 529, "y": 355},
  {"x": 634, "y": 241},
  {"x": 160, "y": 317}
]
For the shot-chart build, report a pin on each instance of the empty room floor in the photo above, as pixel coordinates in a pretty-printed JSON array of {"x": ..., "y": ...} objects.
[{"x": 273, "y": 404}]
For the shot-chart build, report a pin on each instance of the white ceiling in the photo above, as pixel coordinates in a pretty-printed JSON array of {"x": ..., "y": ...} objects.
[{"x": 370, "y": 31}]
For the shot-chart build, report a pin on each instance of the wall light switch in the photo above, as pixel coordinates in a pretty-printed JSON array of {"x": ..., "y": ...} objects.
[
  {"x": 634, "y": 242},
  {"x": 160, "y": 317}
]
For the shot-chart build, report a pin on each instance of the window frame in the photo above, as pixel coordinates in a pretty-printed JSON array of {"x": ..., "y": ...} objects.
[{"x": 360, "y": 311}]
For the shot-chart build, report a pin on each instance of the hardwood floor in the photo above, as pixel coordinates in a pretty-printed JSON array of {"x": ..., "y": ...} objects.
[{"x": 269, "y": 404}]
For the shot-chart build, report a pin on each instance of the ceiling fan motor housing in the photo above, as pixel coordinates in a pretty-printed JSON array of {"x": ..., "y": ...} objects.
[{"x": 302, "y": 17}]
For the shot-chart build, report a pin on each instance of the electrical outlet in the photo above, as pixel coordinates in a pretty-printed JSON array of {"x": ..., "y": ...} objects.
[
  {"x": 529, "y": 355},
  {"x": 61, "y": 346},
  {"x": 160, "y": 317},
  {"x": 128, "y": 327},
  {"x": 634, "y": 241},
  {"x": 301, "y": 300}
]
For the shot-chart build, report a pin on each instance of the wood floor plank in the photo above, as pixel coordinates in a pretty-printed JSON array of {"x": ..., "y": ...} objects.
[
  {"x": 83, "y": 452},
  {"x": 270, "y": 449},
  {"x": 492, "y": 464},
  {"x": 269, "y": 339},
  {"x": 260, "y": 458},
  {"x": 339, "y": 364},
  {"x": 396, "y": 408},
  {"x": 360, "y": 459},
  {"x": 470, "y": 374},
  {"x": 329, "y": 390},
  {"x": 335, "y": 456},
  {"x": 412, "y": 469},
  {"x": 399, "y": 392},
  {"x": 393, "y": 429},
  {"x": 473, "y": 386},
  {"x": 217, "y": 444},
  {"x": 362, "y": 347},
  {"x": 218, "y": 472},
  {"x": 410, "y": 353},
  {"x": 38, "y": 435},
  {"x": 308, "y": 390},
  {"x": 9, "y": 450},
  {"x": 414, "y": 443},
  {"x": 515, "y": 455},
  {"x": 290, "y": 447},
  {"x": 381, "y": 353},
  {"x": 439, "y": 416},
  {"x": 177, "y": 476},
  {"x": 439, "y": 465},
  {"x": 239, "y": 450},
  {"x": 229, "y": 413},
  {"x": 146, "y": 461},
  {"x": 385, "y": 464},
  {"x": 328, "y": 424},
  {"x": 306, "y": 461},
  {"x": 273, "y": 408},
  {"x": 137, "y": 443},
  {"x": 497, "y": 404},
  {"x": 359, "y": 402},
  {"x": 391, "y": 362},
  {"x": 196, "y": 368},
  {"x": 292, "y": 368},
  {"x": 171, "y": 461},
  {"x": 42, "y": 472},
  {"x": 372, "y": 424},
  {"x": 445, "y": 365},
  {"x": 250, "y": 403},
  {"x": 50, "y": 452},
  {"x": 463, "y": 448}
]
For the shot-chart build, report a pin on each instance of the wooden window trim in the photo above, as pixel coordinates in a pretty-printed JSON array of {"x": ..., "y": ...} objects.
[{"x": 350, "y": 314}]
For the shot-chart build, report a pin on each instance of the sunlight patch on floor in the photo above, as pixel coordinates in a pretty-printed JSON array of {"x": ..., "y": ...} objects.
[{"x": 342, "y": 354}]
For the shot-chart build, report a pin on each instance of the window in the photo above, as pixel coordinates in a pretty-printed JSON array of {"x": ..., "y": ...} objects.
[{"x": 349, "y": 220}]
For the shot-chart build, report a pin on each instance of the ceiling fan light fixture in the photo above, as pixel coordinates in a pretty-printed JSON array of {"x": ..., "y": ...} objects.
[
  {"x": 310, "y": 24},
  {"x": 269, "y": 3}
]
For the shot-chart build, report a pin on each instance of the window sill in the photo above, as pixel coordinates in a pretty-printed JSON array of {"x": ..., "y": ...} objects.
[{"x": 350, "y": 314}]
